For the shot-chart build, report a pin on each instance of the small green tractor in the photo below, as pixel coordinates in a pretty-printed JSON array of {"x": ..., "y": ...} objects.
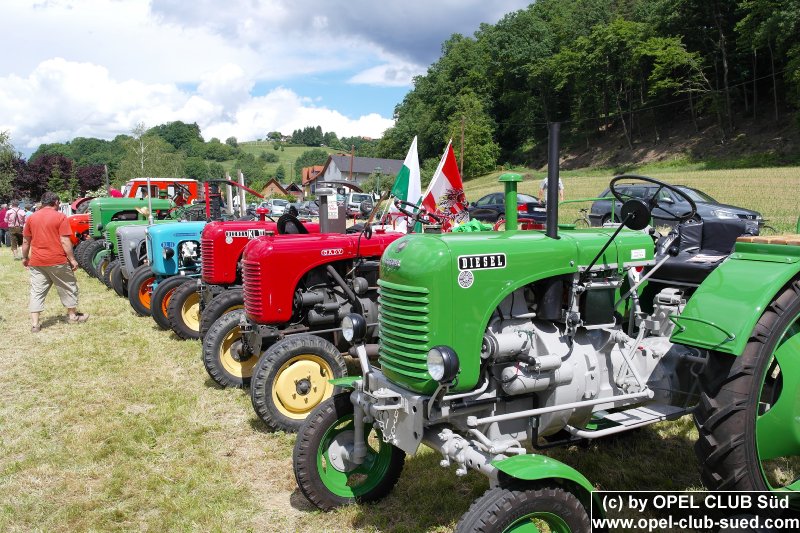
[{"x": 493, "y": 345}]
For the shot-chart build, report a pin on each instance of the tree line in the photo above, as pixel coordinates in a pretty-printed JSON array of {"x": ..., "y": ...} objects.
[{"x": 603, "y": 67}]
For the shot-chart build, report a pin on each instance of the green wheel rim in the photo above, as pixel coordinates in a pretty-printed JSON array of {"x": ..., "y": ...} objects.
[
  {"x": 778, "y": 419},
  {"x": 530, "y": 523},
  {"x": 362, "y": 479}
]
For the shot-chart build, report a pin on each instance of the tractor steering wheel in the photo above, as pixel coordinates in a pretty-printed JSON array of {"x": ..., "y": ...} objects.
[
  {"x": 421, "y": 215},
  {"x": 652, "y": 200}
]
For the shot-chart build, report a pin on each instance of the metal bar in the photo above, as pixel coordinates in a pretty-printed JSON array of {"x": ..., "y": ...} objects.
[{"x": 555, "y": 408}]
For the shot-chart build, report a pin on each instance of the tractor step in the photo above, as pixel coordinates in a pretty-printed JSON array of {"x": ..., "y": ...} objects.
[{"x": 642, "y": 416}]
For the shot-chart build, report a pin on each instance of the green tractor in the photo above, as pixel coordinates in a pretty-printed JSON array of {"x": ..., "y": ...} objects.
[
  {"x": 102, "y": 211},
  {"x": 493, "y": 345}
]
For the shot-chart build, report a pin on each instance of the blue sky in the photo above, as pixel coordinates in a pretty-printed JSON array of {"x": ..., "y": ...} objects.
[{"x": 96, "y": 68}]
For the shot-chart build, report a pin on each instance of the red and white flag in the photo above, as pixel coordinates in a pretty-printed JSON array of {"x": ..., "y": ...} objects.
[{"x": 445, "y": 193}]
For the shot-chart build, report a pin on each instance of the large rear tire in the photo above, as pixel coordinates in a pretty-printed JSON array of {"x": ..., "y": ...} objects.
[
  {"x": 140, "y": 289},
  {"x": 519, "y": 509},
  {"x": 183, "y": 312},
  {"x": 223, "y": 354},
  {"x": 292, "y": 378},
  {"x": 118, "y": 282},
  {"x": 225, "y": 302},
  {"x": 324, "y": 477},
  {"x": 749, "y": 408},
  {"x": 162, "y": 295}
]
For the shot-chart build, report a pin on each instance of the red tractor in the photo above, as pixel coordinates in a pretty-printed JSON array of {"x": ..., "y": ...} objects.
[{"x": 223, "y": 243}]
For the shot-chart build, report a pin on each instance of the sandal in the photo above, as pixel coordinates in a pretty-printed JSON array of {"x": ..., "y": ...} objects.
[
  {"x": 36, "y": 329},
  {"x": 79, "y": 317}
]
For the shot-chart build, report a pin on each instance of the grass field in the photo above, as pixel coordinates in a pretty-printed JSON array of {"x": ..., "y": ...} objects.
[{"x": 113, "y": 425}]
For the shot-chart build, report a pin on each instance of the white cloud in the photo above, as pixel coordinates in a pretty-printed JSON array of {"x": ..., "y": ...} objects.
[{"x": 61, "y": 100}]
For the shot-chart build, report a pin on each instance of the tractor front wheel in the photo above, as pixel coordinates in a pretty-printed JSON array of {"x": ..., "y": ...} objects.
[
  {"x": 140, "y": 290},
  {"x": 90, "y": 252},
  {"x": 225, "y": 302},
  {"x": 519, "y": 509},
  {"x": 292, "y": 378},
  {"x": 750, "y": 406},
  {"x": 321, "y": 467},
  {"x": 162, "y": 295},
  {"x": 183, "y": 312},
  {"x": 226, "y": 360},
  {"x": 106, "y": 279},
  {"x": 118, "y": 282}
]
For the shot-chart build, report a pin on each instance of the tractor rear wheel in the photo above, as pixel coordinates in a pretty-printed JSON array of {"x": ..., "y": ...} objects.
[
  {"x": 225, "y": 302},
  {"x": 118, "y": 282},
  {"x": 224, "y": 356},
  {"x": 162, "y": 295},
  {"x": 292, "y": 377},
  {"x": 183, "y": 312},
  {"x": 140, "y": 289},
  {"x": 518, "y": 508},
  {"x": 89, "y": 252},
  {"x": 748, "y": 412},
  {"x": 326, "y": 478}
]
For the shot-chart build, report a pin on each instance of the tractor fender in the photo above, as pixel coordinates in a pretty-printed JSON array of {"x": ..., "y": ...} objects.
[
  {"x": 533, "y": 467},
  {"x": 723, "y": 311}
]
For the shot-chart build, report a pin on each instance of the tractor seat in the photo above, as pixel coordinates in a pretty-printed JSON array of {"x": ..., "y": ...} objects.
[
  {"x": 289, "y": 224},
  {"x": 702, "y": 246}
]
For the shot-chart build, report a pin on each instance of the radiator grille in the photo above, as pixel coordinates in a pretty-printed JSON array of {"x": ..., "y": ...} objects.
[
  {"x": 252, "y": 286},
  {"x": 207, "y": 258},
  {"x": 404, "y": 330}
]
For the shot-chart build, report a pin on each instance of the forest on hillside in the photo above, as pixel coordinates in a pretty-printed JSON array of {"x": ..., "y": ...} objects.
[{"x": 604, "y": 68}]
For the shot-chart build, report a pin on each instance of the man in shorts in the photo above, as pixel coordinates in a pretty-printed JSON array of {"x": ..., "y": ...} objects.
[
  {"x": 47, "y": 253},
  {"x": 15, "y": 218}
]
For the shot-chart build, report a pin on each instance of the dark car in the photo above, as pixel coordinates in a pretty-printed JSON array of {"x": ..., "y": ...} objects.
[
  {"x": 671, "y": 205},
  {"x": 493, "y": 206}
]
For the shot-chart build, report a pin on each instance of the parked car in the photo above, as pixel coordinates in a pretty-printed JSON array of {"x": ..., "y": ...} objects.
[
  {"x": 276, "y": 206},
  {"x": 671, "y": 205},
  {"x": 308, "y": 208},
  {"x": 355, "y": 200},
  {"x": 492, "y": 206}
]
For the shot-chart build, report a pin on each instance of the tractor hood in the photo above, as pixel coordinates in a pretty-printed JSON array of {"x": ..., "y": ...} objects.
[
  {"x": 443, "y": 289},
  {"x": 174, "y": 248}
]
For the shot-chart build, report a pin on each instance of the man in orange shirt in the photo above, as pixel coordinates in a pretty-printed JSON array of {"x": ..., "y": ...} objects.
[{"x": 47, "y": 253}]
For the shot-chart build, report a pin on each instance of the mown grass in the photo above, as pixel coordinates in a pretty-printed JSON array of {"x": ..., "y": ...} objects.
[{"x": 775, "y": 192}]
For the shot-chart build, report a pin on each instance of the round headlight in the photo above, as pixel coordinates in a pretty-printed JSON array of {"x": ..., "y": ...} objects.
[
  {"x": 354, "y": 327},
  {"x": 167, "y": 253},
  {"x": 442, "y": 364}
]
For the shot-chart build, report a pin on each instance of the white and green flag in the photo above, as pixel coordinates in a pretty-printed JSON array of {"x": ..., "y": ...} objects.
[{"x": 407, "y": 185}]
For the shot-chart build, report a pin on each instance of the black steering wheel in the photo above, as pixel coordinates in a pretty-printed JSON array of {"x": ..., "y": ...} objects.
[
  {"x": 652, "y": 200},
  {"x": 420, "y": 215},
  {"x": 288, "y": 224}
]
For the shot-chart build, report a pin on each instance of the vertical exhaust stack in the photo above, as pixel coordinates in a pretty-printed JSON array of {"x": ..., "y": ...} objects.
[{"x": 552, "y": 179}]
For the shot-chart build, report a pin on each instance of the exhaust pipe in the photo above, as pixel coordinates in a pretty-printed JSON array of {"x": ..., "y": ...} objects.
[{"x": 552, "y": 179}]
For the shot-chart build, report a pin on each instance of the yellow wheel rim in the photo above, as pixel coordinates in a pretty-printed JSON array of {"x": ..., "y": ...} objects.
[
  {"x": 190, "y": 312},
  {"x": 300, "y": 384},
  {"x": 240, "y": 369}
]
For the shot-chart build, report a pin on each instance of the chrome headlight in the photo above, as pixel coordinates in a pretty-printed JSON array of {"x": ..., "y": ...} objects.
[
  {"x": 354, "y": 328},
  {"x": 443, "y": 364}
]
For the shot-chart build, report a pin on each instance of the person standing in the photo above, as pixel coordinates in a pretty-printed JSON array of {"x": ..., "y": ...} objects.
[
  {"x": 47, "y": 253},
  {"x": 15, "y": 218},
  {"x": 543, "y": 190},
  {"x": 3, "y": 224}
]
